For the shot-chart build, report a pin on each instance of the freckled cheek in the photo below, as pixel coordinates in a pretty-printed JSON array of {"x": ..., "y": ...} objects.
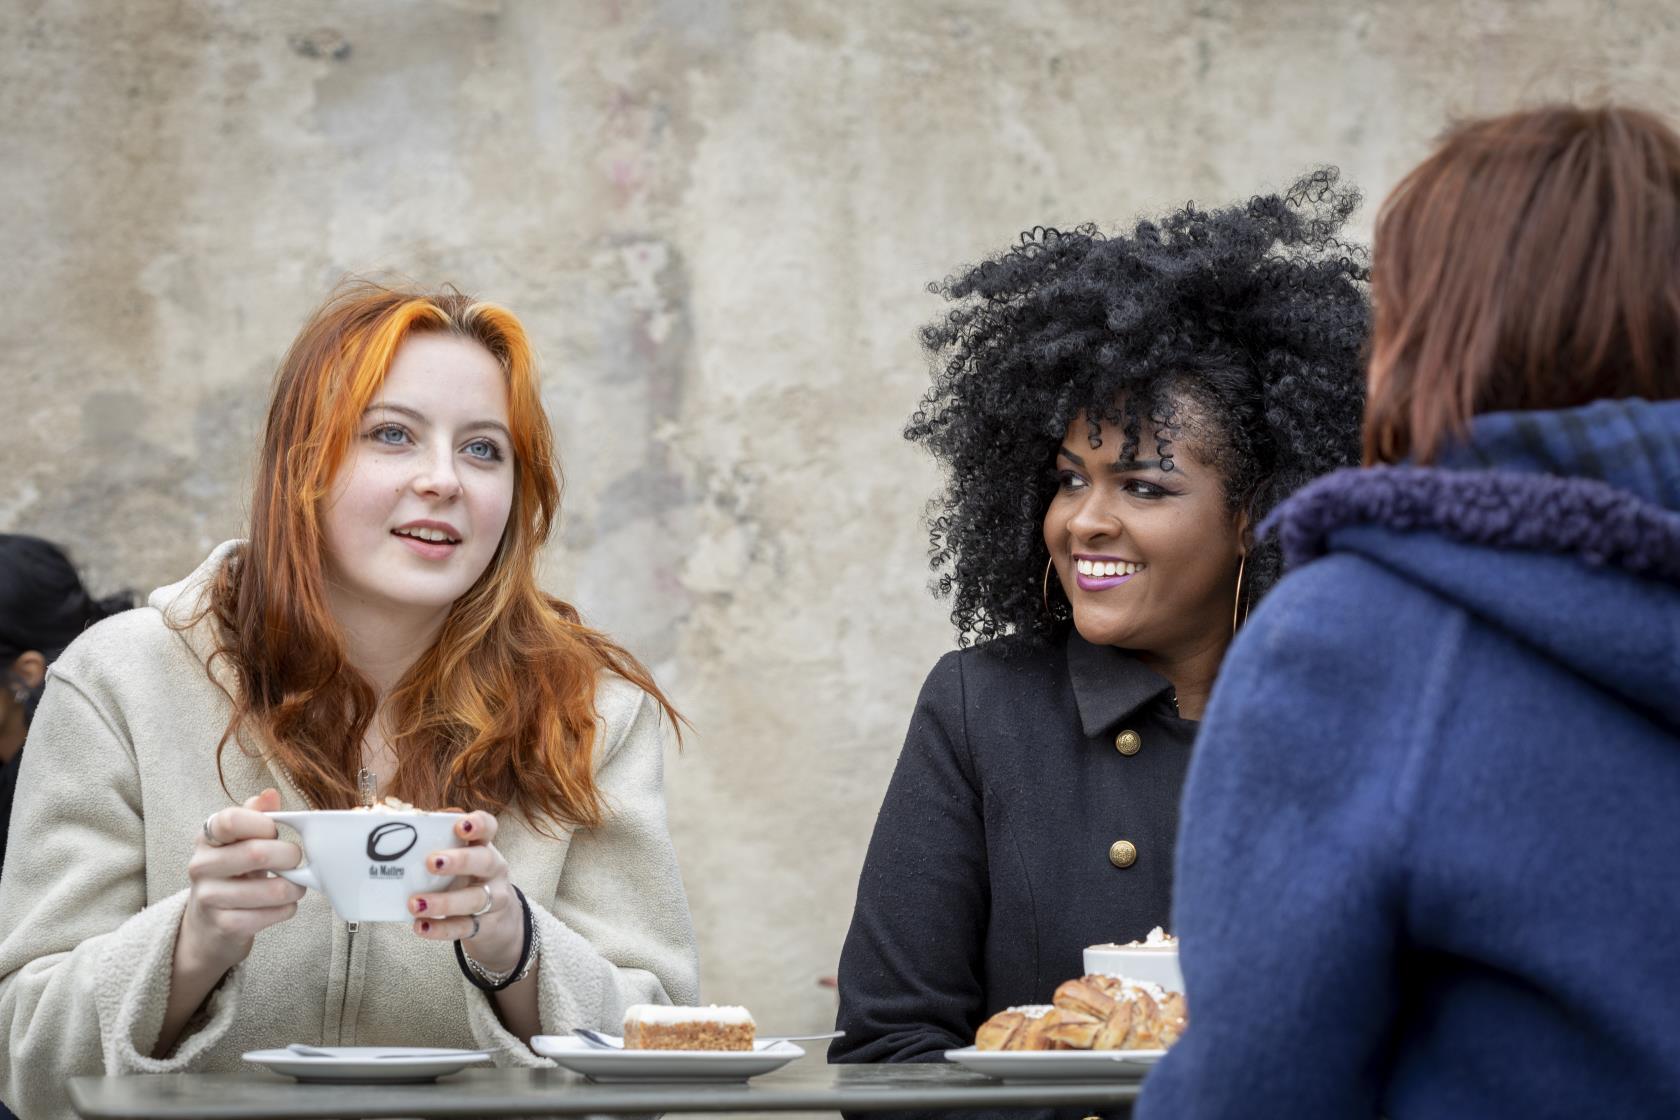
[
  {"x": 491, "y": 512},
  {"x": 364, "y": 501}
]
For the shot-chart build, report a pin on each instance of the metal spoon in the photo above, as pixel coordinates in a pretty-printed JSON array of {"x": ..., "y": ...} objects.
[{"x": 315, "y": 1052}]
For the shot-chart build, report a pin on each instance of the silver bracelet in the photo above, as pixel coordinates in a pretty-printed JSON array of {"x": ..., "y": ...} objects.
[
  {"x": 504, "y": 979},
  {"x": 487, "y": 981}
]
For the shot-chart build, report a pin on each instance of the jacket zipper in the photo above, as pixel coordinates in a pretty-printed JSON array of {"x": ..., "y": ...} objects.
[
  {"x": 367, "y": 784},
  {"x": 350, "y": 928}
]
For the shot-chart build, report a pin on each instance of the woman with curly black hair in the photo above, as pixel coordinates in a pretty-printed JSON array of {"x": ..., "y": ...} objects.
[{"x": 1114, "y": 415}]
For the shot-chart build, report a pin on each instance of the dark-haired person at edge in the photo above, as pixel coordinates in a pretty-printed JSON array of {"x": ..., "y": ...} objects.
[
  {"x": 1427, "y": 861},
  {"x": 380, "y": 629},
  {"x": 43, "y": 606},
  {"x": 1113, "y": 415}
]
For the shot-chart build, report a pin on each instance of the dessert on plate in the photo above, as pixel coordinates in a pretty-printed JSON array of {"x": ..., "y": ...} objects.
[
  {"x": 652, "y": 1026},
  {"x": 1094, "y": 1012}
]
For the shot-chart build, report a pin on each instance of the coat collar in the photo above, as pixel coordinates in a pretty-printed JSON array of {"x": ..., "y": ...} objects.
[{"x": 1109, "y": 683}]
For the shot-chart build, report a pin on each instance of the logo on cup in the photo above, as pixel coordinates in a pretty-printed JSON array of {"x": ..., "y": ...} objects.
[{"x": 391, "y": 841}]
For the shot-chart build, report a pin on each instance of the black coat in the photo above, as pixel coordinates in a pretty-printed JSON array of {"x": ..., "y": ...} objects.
[
  {"x": 8, "y": 789},
  {"x": 989, "y": 870}
]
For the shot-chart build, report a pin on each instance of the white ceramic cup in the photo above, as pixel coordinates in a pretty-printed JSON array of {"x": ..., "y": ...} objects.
[
  {"x": 369, "y": 864},
  {"x": 1157, "y": 964}
]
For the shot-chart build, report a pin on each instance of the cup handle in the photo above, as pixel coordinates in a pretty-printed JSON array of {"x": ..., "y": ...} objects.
[{"x": 303, "y": 876}]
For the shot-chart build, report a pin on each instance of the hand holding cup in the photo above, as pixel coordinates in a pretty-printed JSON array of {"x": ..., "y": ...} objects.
[
  {"x": 232, "y": 896},
  {"x": 478, "y": 907}
]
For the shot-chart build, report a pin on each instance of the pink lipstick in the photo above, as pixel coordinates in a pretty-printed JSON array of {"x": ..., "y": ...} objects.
[{"x": 1102, "y": 582}]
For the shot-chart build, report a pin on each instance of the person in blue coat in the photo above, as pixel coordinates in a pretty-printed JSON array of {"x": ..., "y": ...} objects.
[
  {"x": 1426, "y": 864},
  {"x": 1112, "y": 415}
]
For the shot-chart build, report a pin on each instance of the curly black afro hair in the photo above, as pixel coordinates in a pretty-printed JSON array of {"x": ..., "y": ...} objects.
[{"x": 1240, "y": 330}]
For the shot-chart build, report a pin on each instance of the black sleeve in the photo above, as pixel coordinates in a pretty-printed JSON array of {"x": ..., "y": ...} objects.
[
  {"x": 911, "y": 985},
  {"x": 912, "y": 981},
  {"x": 8, "y": 789}
]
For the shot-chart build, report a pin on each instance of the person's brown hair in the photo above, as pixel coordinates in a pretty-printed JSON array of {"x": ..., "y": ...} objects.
[{"x": 1531, "y": 262}]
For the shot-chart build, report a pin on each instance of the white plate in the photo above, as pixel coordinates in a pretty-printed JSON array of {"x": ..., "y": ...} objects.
[
  {"x": 1056, "y": 1065},
  {"x": 665, "y": 1065},
  {"x": 362, "y": 1064}
]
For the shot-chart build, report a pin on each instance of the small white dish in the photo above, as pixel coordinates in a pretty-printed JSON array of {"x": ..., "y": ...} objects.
[
  {"x": 1158, "y": 964},
  {"x": 355, "y": 1065},
  {"x": 1056, "y": 1065},
  {"x": 609, "y": 1066}
]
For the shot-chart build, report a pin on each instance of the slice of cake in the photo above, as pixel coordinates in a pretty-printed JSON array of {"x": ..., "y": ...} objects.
[{"x": 652, "y": 1026}]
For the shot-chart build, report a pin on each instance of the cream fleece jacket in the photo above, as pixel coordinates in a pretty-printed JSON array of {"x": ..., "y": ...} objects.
[{"x": 118, "y": 776}]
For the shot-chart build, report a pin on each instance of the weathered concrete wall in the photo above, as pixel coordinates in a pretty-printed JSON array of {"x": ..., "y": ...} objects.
[{"x": 718, "y": 219}]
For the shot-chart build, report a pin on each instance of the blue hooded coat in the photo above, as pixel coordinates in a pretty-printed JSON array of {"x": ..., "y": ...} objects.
[{"x": 1429, "y": 858}]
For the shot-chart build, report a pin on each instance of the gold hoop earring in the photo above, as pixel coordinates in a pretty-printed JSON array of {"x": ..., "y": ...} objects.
[
  {"x": 1045, "y": 593},
  {"x": 1236, "y": 606}
]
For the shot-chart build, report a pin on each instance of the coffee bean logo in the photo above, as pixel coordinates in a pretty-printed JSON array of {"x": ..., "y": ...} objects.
[{"x": 391, "y": 841}]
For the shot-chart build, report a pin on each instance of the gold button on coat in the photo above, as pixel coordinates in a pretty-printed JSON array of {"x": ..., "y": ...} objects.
[
  {"x": 1122, "y": 853},
  {"x": 1128, "y": 742}
]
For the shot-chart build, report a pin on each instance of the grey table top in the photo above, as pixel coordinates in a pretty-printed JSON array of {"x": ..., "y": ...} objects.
[{"x": 808, "y": 1085}]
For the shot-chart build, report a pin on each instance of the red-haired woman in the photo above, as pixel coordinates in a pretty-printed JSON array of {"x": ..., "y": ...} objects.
[
  {"x": 1426, "y": 859},
  {"x": 382, "y": 625}
]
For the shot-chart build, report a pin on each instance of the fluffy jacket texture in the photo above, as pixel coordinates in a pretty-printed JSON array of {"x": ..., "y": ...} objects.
[
  {"x": 119, "y": 774},
  {"x": 1426, "y": 860}
]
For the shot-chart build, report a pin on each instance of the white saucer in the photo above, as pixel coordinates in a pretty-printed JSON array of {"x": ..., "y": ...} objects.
[
  {"x": 1057, "y": 1065},
  {"x": 664, "y": 1065},
  {"x": 364, "y": 1064}
]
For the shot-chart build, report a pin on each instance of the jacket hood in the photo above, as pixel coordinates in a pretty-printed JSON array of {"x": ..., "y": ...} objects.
[
  {"x": 182, "y": 603},
  {"x": 1560, "y": 528}
]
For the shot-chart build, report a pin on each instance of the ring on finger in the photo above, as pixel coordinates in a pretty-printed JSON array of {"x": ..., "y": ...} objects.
[
  {"x": 209, "y": 836},
  {"x": 489, "y": 901}
]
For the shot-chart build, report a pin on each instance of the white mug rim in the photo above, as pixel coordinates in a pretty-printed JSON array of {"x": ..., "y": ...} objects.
[{"x": 281, "y": 814}]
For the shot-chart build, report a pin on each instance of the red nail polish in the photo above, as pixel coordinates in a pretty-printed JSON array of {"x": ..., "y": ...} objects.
[
  {"x": 425, "y": 927},
  {"x": 438, "y": 863},
  {"x": 419, "y": 904},
  {"x": 466, "y": 826}
]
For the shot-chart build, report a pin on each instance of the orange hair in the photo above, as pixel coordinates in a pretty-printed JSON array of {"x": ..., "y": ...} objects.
[{"x": 501, "y": 708}]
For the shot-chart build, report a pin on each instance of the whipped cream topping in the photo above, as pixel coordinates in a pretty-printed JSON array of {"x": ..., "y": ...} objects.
[
  {"x": 661, "y": 1015},
  {"x": 1158, "y": 938},
  {"x": 388, "y": 805}
]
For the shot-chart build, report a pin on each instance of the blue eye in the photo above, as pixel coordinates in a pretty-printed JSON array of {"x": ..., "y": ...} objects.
[
  {"x": 484, "y": 449},
  {"x": 392, "y": 435}
]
